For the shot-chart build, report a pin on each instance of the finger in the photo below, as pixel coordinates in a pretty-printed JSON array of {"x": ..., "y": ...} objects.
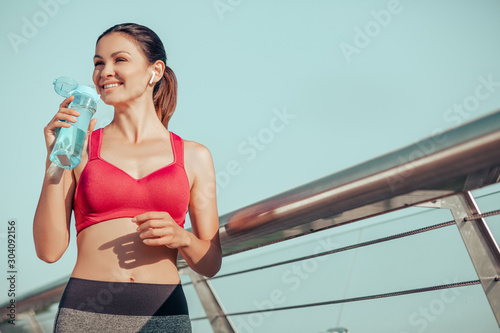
[
  {"x": 55, "y": 123},
  {"x": 159, "y": 232},
  {"x": 71, "y": 112},
  {"x": 60, "y": 124},
  {"x": 67, "y": 101},
  {"x": 65, "y": 116},
  {"x": 153, "y": 224},
  {"x": 141, "y": 218},
  {"x": 154, "y": 241},
  {"x": 65, "y": 110},
  {"x": 92, "y": 124}
]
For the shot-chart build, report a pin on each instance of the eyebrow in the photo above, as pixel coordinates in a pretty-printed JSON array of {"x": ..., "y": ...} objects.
[{"x": 113, "y": 54}]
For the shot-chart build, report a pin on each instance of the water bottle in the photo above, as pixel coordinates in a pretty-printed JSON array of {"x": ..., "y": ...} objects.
[{"x": 67, "y": 151}]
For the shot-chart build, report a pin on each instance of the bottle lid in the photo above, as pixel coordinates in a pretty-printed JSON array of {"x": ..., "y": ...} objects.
[{"x": 64, "y": 86}]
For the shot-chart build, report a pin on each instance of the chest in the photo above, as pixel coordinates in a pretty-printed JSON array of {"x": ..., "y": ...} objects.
[{"x": 139, "y": 161}]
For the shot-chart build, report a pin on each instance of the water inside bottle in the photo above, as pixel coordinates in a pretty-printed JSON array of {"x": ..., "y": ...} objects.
[{"x": 65, "y": 154}]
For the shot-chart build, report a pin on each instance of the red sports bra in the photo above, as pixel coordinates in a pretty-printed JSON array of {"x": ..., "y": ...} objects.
[{"x": 106, "y": 192}]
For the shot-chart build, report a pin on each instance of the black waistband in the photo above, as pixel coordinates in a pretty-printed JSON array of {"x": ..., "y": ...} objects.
[{"x": 124, "y": 298}]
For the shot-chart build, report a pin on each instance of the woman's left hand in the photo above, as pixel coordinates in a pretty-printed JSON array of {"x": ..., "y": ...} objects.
[{"x": 159, "y": 228}]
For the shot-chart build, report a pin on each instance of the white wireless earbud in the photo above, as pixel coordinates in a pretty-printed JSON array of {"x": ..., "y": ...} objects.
[{"x": 152, "y": 77}]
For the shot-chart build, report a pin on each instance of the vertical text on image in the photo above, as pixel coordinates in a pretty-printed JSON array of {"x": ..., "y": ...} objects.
[{"x": 11, "y": 270}]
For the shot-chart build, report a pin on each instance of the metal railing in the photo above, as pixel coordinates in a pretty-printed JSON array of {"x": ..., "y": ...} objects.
[{"x": 436, "y": 172}]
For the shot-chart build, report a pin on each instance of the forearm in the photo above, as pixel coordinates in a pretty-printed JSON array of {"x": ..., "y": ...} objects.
[
  {"x": 203, "y": 256},
  {"x": 50, "y": 223}
]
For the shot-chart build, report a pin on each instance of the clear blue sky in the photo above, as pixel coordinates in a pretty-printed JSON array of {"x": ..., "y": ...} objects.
[{"x": 286, "y": 91}]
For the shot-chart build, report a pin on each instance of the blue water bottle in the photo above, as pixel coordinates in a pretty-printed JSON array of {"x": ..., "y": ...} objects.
[{"x": 67, "y": 151}]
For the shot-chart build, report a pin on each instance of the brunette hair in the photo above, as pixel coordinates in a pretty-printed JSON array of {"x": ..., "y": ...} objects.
[{"x": 165, "y": 90}]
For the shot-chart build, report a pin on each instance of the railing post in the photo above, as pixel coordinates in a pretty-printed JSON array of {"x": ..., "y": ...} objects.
[
  {"x": 480, "y": 243},
  {"x": 211, "y": 304},
  {"x": 32, "y": 321}
]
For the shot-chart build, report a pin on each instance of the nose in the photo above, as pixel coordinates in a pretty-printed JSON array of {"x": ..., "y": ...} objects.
[{"x": 107, "y": 70}]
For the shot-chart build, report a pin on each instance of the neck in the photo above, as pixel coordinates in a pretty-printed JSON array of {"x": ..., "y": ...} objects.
[{"x": 136, "y": 121}]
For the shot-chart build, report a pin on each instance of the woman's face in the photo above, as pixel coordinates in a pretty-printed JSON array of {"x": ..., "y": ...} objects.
[{"x": 121, "y": 72}]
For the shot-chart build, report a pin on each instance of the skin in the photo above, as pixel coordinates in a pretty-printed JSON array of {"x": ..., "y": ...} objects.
[{"x": 142, "y": 248}]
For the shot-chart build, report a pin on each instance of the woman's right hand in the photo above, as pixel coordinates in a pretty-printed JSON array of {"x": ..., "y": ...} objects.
[{"x": 64, "y": 113}]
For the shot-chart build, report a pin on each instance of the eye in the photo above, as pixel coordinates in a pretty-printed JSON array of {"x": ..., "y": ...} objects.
[
  {"x": 120, "y": 59},
  {"x": 97, "y": 63}
]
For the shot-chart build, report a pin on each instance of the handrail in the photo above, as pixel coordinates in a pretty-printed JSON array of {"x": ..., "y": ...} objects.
[{"x": 461, "y": 159}]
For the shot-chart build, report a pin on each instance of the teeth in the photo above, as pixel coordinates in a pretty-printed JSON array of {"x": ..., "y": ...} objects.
[{"x": 111, "y": 85}]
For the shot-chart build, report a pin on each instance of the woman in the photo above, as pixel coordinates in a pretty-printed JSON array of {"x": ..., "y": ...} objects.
[{"x": 130, "y": 193}]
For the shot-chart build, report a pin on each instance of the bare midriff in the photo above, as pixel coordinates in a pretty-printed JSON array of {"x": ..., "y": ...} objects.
[{"x": 113, "y": 251}]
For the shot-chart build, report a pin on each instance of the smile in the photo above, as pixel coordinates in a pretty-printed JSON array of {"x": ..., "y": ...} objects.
[{"x": 106, "y": 86}]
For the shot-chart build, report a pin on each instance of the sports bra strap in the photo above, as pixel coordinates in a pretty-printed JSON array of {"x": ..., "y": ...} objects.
[
  {"x": 179, "y": 149},
  {"x": 94, "y": 143}
]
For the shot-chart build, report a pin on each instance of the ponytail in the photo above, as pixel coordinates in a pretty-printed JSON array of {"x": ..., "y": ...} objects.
[{"x": 165, "y": 96}]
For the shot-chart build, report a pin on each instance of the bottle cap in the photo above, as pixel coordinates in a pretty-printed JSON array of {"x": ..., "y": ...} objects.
[{"x": 64, "y": 86}]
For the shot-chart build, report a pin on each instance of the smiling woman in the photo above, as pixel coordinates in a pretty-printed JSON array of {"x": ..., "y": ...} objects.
[{"x": 130, "y": 195}]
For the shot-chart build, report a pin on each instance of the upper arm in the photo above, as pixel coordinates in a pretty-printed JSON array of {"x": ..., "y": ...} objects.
[
  {"x": 68, "y": 201},
  {"x": 203, "y": 202},
  {"x": 67, "y": 178},
  {"x": 51, "y": 224}
]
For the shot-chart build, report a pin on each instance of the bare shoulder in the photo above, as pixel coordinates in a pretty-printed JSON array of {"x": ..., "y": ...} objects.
[{"x": 197, "y": 155}]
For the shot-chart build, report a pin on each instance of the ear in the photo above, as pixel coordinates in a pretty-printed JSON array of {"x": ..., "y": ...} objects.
[{"x": 159, "y": 68}]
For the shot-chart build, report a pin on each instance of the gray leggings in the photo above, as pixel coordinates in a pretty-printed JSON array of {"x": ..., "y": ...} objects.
[{"x": 103, "y": 306}]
